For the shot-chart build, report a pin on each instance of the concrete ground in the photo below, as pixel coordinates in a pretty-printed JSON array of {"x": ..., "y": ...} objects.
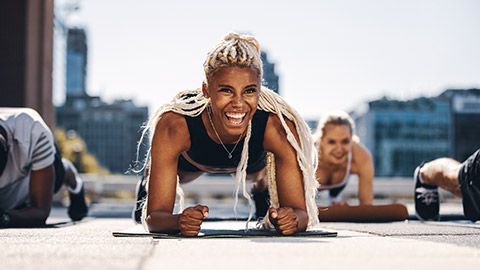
[{"x": 89, "y": 244}]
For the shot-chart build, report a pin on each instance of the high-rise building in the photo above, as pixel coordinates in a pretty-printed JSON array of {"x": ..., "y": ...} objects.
[
  {"x": 110, "y": 131},
  {"x": 401, "y": 134},
  {"x": 76, "y": 62},
  {"x": 465, "y": 115},
  {"x": 270, "y": 78}
]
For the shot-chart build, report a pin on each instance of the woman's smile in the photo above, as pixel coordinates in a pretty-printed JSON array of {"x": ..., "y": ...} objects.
[
  {"x": 338, "y": 156},
  {"x": 235, "y": 118}
]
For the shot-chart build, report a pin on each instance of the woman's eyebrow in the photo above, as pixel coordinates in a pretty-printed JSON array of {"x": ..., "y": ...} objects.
[{"x": 251, "y": 85}]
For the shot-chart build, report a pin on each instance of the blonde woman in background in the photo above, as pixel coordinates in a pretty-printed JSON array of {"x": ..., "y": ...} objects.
[
  {"x": 340, "y": 155},
  {"x": 228, "y": 126}
]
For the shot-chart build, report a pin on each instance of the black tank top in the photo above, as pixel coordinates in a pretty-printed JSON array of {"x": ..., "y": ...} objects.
[{"x": 203, "y": 150}]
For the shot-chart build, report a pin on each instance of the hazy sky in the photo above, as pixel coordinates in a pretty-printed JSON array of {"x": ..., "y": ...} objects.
[{"x": 333, "y": 54}]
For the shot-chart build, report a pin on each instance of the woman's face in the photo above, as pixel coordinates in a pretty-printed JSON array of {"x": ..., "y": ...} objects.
[
  {"x": 234, "y": 93},
  {"x": 336, "y": 143}
]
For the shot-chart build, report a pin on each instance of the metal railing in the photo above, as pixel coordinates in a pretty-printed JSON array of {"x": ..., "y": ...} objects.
[{"x": 223, "y": 186}]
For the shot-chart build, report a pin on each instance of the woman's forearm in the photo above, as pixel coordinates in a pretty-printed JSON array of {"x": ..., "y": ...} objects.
[
  {"x": 163, "y": 222},
  {"x": 28, "y": 217}
]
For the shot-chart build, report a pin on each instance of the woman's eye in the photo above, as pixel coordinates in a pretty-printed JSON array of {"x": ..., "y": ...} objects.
[
  {"x": 226, "y": 90},
  {"x": 250, "y": 90}
]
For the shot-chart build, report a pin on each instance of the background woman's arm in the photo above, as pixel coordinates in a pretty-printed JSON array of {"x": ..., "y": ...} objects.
[{"x": 364, "y": 162}]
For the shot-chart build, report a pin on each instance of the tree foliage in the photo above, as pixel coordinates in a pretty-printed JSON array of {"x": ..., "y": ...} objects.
[{"x": 74, "y": 149}]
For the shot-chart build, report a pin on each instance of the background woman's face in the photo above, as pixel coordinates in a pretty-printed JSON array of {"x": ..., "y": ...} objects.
[
  {"x": 336, "y": 143},
  {"x": 234, "y": 93}
]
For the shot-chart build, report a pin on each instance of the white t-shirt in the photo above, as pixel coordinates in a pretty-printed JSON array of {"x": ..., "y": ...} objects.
[{"x": 30, "y": 148}]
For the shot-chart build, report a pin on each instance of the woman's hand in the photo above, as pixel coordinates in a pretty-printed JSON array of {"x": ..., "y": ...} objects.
[
  {"x": 191, "y": 219},
  {"x": 284, "y": 219}
]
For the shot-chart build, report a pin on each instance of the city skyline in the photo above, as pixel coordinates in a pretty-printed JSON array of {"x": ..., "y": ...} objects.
[{"x": 328, "y": 55}]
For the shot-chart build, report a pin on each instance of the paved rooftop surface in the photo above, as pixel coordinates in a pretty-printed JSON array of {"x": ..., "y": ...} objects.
[{"x": 89, "y": 244}]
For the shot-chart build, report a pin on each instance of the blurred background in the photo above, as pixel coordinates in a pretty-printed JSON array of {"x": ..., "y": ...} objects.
[{"x": 407, "y": 71}]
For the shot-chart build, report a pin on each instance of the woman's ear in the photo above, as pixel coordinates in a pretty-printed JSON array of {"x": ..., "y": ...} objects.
[{"x": 205, "y": 90}]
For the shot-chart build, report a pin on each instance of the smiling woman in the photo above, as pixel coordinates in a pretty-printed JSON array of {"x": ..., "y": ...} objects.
[
  {"x": 340, "y": 154},
  {"x": 230, "y": 125}
]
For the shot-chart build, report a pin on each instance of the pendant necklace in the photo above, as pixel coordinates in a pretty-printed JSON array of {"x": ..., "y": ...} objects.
[{"x": 216, "y": 133}]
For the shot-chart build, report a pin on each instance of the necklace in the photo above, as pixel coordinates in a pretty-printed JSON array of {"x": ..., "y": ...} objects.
[{"x": 216, "y": 133}]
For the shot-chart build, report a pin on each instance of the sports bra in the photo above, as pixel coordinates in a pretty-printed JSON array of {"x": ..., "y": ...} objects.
[{"x": 208, "y": 156}]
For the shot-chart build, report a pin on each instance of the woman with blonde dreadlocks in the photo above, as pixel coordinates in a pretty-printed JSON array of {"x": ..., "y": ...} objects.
[{"x": 228, "y": 126}]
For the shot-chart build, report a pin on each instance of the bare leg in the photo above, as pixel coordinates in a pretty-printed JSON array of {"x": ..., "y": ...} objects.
[{"x": 442, "y": 172}]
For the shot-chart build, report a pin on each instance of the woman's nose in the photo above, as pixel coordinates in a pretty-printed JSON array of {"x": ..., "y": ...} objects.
[{"x": 238, "y": 100}]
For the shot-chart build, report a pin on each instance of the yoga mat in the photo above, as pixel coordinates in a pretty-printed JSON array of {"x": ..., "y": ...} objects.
[
  {"x": 363, "y": 213},
  {"x": 138, "y": 231}
]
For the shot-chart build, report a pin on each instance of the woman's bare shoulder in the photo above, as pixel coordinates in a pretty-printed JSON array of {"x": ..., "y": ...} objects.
[
  {"x": 172, "y": 121},
  {"x": 173, "y": 126},
  {"x": 275, "y": 133},
  {"x": 360, "y": 153},
  {"x": 274, "y": 124}
]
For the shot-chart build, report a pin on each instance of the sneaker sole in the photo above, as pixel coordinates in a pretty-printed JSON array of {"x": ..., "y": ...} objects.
[{"x": 416, "y": 177}]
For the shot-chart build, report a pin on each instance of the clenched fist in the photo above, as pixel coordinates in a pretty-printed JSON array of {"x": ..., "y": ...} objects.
[
  {"x": 191, "y": 219},
  {"x": 284, "y": 219}
]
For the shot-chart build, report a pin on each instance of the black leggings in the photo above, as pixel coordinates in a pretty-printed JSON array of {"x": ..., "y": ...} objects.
[{"x": 469, "y": 180}]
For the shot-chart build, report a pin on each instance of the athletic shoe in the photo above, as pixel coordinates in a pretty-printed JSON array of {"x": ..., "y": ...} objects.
[
  {"x": 140, "y": 197},
  {"x": 427, "y": 205},
  {"x": 262, "y": 202},
  {"x": 78, "y": 207}
]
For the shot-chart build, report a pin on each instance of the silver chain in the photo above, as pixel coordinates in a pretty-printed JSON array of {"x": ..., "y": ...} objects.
[{"x": 216, "y": 133}]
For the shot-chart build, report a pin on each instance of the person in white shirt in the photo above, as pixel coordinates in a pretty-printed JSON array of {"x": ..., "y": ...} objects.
[{"x": 31, "y": 171}]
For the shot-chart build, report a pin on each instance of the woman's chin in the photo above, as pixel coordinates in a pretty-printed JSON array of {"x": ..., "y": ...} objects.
[{"x": 337, "y": 161}]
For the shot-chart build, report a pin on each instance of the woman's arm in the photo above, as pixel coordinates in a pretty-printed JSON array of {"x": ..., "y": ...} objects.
[
  {"x": 171, "y": 138},
  {"x": 292, "y": 215},
  {"x": 364, "y": 166}
]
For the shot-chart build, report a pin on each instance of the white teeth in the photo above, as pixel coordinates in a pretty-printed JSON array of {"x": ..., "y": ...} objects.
[
  {"x": 235, "y": 115},
  {"x": 235, "y": 118}
]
